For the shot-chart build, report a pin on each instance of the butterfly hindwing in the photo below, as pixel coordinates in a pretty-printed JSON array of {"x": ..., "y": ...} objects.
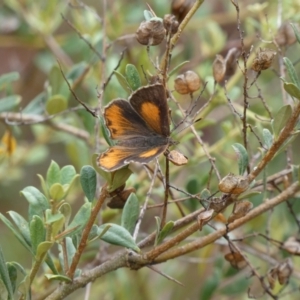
[
  {"x": 150, "y": 103},
  {"x": 117, "y": 157}
]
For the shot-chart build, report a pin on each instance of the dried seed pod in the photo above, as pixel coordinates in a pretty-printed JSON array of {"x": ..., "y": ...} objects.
[
  {"x": 230, "y": 60},
  {"x": 180, "y": 8},
  {"x": 241, "y": 208},
  {"x": 187, "y": 83},
  {"x": 204, "y": 217},
  {"x": 272, "y": 277},
  {"x": 232, "y": 184},
  {"x": 177, "y": 158},
  {"x": 236, "y": 260},
  {"x": 292, "y": 245},
  {"x": 151, "y": 32},
  {"x": 219, "y": 68},
  {"x": 284, "y": 271},
  {"x": 263, "y": 59},
  {"x": 285, "y": 35},
  {"x": 170, "y": 23},
  {"x": 119, "y": 197}
]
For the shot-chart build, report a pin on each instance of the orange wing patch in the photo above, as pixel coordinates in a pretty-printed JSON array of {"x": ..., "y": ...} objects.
[
  {"x": 116, "y": 122},
  {"x": 151, "y": 114}
]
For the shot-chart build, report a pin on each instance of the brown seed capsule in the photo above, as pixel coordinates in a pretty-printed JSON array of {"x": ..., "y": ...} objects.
[
  {"x": 170, "y": 23},
  {"x": 292, "y": 245},
  {"x": 285, "y": 35},
  {"x": 219, "y": 68},
  {"x": 204, "y": 217},
  {"x": 284, "y": 271},
  {"x": 180, "y": 8},
  {"x": 151, "y": 32},
  {"x": 263, "y": 59},
  {"x": 236, "y": 260},
  {"x": 240, "y": 210},
  {"x": 119, "y": 197},
  {"x": 187, "y": 83},
  {"x": 231, "y": 61},
  {"x": 232, "y": 184},
  {"x": 177, "y": 158}
]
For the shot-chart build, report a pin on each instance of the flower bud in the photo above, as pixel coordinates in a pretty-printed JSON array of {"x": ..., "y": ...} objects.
[
  {"x": 151, "y": 32},
  {"x": 170, "y": 23},
  {"x": 187, "y": 83},
  {"x": 263, "y": 59},
  {"x": 232, "y": 184}
]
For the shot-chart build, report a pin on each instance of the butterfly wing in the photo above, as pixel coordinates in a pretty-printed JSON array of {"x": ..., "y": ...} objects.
[
  {"x": 117, "y": 157},
  {"x": 150, "y": 103},
  {"x": 123, "y": 121}
]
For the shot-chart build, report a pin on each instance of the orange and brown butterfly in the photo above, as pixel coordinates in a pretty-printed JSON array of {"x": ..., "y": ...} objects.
[{"x": 140, "y": 125}]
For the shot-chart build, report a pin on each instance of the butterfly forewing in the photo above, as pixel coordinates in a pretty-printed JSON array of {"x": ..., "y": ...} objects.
[
  {"x": 150, "y": 103},
  {"x": 122, "y": 120}
]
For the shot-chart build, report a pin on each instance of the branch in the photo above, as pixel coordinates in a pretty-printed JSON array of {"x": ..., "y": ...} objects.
[{"x": 31, "y": 119}]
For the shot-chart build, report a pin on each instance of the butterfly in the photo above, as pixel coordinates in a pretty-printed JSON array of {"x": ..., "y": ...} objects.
[{"x": 140, "y": 125}]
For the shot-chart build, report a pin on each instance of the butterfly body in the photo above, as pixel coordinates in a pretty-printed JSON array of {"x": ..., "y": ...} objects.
[{"x": 140, "y": 125}]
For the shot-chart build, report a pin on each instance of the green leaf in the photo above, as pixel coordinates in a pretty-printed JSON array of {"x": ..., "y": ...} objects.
[
  {"x": 67, "y": 174},
  {"x": 243, "y": 159},
  {"x": 15, "y": 232},
  {"x": 66, "y": 210},
  {"x": 120, "y": 177},
  {"x": 80, "y": 218},
  {"x": 18, "y": 267},
  {"x": 281, "y": 119},
  {"x": 105, "y": 132},
  {"x": 122, "y": 80},
  {"x": 177, "y": 68},
  {"x": 148, "y": 15},
  {"x": 37, "y": 232},
  {"x": 164, "y": 232},
  {"x": 9, "y": 102},
  {"x": 13, "y": 274},
  {"x": 36, "y": 105},
  {"x": 132, "y": 77},
  {"x": 296, "y": 31},
  {"x": 77, "y": 71},
  {"x": 292, "y": 89},
  {"x": 43, "y": 184},
  {"x": 8, "y": 78},
  {"x": 268, "y": 138},
  {"x": 53, "y": 174},
  {"x": 57, "y": 225},
  {"x": 118, "y": 235},
  {"x": 42, "y": 249},
  {"x": 55, "y": 79},
  {"x": 5, "y": 276},
  {"x": 56, "y": 104},
  {"x": 291, "y": 71},
  {"x": 205, "y": 194},
  {"x": 22, "y": 225},
  {"x": 51, "y": 218},
  {"x": 130, "y": 213},
  {"x": 210, "y": 285},
  {"x": 38, "y": 203},
  {"x": 88, "y": 181},
  {"x": 58, "y": 277},
  {"x": 71, "y": 250},
  {"x": 3, "y": 291},
  {"x": 56, "y": 192}
]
